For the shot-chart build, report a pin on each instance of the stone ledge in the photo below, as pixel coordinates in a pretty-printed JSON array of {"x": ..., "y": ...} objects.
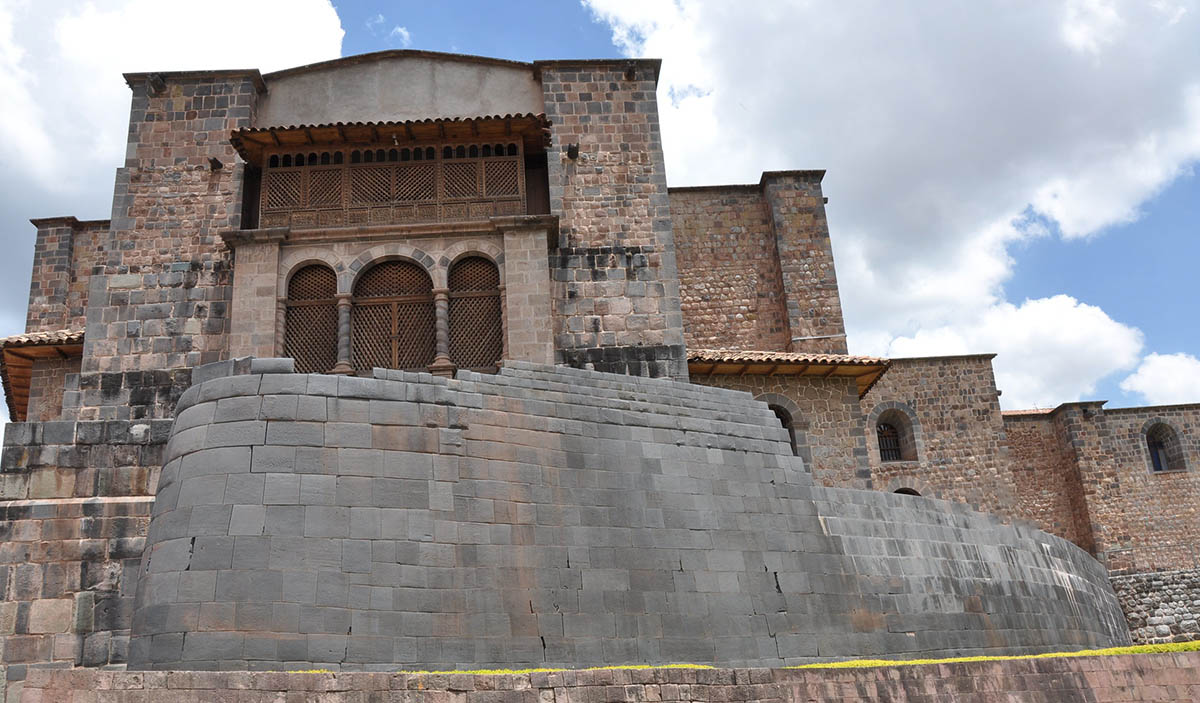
[{"x": 1160, "y": 677}]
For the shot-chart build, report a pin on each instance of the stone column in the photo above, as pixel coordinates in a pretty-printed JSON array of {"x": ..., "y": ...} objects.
[
  {"x": 343, "y": 353},
  {"x": 442, "y": 366},
  {"x": 280, "y": 326}
]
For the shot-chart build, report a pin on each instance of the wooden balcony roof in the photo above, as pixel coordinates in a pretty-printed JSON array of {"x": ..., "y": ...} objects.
[
  {"x": 865, "y": 370},
  {"x": 17, "y": 354},
  {"x": 533, "y": 129}
]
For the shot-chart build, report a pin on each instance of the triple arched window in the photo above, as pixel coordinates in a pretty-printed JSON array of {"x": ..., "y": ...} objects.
[{"x": 394, "y": 317}]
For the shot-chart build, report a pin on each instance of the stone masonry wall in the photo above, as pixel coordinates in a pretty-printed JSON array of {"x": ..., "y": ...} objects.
[
  {"x": 162, "y": 301},
  {"x": 46, "y": 386},
  {"x": 729, "y": 276},
  {"x": 74, "y": 510},
  {"x": 1162, "y": 606},
  {"x": 1046, "y": 477},
  {"x": 64, "y": 254},
  {"x": 962, "y": 451},
  {"x": 1146, "y": 677},
  {"x": 547, "y": 515},
  {"x": 814, "y": 306},
  {"x": 826, "y": 417},
  {"x": 1141, "y": 520},
  {"x": 615, "y": 285}
]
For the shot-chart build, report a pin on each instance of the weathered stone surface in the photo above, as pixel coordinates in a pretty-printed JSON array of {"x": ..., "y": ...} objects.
[
  {"x": 591, "y": 518},
  {"x": 1149, "y": 677}
]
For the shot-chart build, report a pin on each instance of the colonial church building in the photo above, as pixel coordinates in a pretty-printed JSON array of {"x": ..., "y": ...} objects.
[{"x": 464, "y": 218}]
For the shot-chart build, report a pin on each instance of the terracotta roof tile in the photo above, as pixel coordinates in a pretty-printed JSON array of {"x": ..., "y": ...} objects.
[
  {"x": 865, "y": 370},
  {"x": 33, "y": 339},
  {"x": 739, "y": 356}
]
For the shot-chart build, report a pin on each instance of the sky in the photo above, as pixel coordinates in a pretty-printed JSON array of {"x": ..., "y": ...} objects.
[{"x": 1016, "y": 177}]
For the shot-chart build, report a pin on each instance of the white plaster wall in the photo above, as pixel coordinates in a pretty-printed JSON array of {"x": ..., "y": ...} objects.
[{"x": 397, "y": 88}]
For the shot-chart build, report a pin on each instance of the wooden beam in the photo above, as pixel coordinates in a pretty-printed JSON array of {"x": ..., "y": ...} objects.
[
  {"x": 408, "y": 131},
  {"x": 830, "y": 372},
  {"x": 308, "y": 134},
  {"x": 474, "y": 127},
  {"x": 275, "y": 138},
  {"x": 19, "y": 355},
  {"x": 341, "y": 134}
]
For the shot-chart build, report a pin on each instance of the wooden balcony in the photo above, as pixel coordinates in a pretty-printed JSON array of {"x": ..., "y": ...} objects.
[
  {"x": 381, "y": 185},
  {"x": 376, "y": 173}
]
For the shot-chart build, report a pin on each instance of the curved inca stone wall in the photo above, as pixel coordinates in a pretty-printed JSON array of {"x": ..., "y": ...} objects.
[{"x": 561, "y": 517}]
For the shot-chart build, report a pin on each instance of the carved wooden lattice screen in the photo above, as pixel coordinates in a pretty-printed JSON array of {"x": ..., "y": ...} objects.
[
  {"x": 350, "y": 187},
  {"x": 310, "y": 332},
  {"x": 393, "y": 318},
  {"x": 476, "y": 334}
]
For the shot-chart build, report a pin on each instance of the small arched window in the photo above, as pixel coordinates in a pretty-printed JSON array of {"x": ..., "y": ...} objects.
[
  {"x": 310, "y": 324},
  {"x": 785, "y": 420},
  {"x": 476, "y": 326},
  {"x": 907, "y": 492},
  {"x": 1164, "y": 447},
  {"x": 895, "y": 438}
]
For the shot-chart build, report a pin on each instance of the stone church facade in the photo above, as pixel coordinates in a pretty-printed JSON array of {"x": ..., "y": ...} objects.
[{"x": 360, "y": 220}]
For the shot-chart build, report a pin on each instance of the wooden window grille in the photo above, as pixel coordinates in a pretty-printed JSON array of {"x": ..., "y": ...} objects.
[
  {"x": 476, "y": 325},
  {"x": 310, "y": 325},
  {"x": 889, "y": 442},
  {"x": 393, "y": 321},
  {"x": 393, "y": 185}
]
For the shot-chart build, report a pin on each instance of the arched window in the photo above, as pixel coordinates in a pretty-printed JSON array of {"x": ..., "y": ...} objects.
[
  {"x": 310, "y": 325},
  {"x": 907, "y": 492},
  {"x": 785, "y": 419},
  {"x": 393, "y": 318},
  {"x": 476, "y": 327},
  {"x": 894, "y": 433},
  {"x": 1164, "y": 447}
]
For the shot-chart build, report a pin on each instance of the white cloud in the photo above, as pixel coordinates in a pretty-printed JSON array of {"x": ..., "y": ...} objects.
[
  {"x": 1164, "y": 379},
  {"x": 1050, "y": 350},
  {"x": 375, "y": 23},
  {"x": 949, "y": 131},
  {"x": 1091, "y": 25},
  {"x": 66, "y": 106},
  {"x": 401, "y": 34}
]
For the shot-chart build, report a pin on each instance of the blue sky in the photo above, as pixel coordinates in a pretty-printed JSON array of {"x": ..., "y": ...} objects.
[{"x": 1003, "y": 177}]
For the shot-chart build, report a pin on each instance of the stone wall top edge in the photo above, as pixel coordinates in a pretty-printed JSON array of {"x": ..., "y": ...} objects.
[
  {"x": 949, "y": 357},
  {"x": 536, "y": 378},
  {"x": 751, "y": 188},
  {"x": 393, "y": 53},
  {"x": 838, "y": 496},
  {"x": 1139, "y": 409},
  {"x": 67, "y": 220},
  {"x": 132, "y": 79}
]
